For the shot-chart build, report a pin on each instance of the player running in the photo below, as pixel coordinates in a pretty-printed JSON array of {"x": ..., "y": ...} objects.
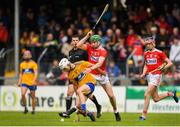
[
  {"x": 84, "y": 84},
  {"x": 27, "y": 79},
  {"x": 97, "y": 55},
  {"x": 76, "y": 55},
  {"x": 155, "y": 62}
]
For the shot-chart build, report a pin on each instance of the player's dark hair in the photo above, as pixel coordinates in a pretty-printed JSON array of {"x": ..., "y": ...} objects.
[{"x": 75, "y": 36}]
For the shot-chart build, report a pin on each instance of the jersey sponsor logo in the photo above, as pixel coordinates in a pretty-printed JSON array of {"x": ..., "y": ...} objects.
[
  {"x": 80, "y": 77},
  {"x": 93, "y": 58},
  {"x": 151, "y": 61},
  {"x": 28, "y": 70}
]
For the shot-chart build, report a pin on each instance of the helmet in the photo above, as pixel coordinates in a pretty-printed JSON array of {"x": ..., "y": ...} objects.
[
  {"x": 149, "y": 40},
  {"x": 95, "y": 38},
  {"x": 63, "y": 64},
  {"x": 27, "y": 54}
]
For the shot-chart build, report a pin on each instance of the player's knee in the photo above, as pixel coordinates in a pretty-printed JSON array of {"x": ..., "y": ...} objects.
[
  {"x": 70, "y": 94},
  {"x": 23, "y": 94},
  {"x": 155, "y": 100},
  {"x": 78, "y": 106},
  {"x": 79, "y": 91},
  {"x": 33, "y": 97}
]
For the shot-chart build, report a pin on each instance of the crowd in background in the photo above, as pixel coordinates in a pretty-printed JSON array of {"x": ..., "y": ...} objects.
[{"x": 122, "y": 31}]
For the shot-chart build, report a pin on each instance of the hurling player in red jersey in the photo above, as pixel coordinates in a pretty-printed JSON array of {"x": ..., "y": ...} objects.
[
  {"x": 155, "y": 62},
  {"x": 97, "y": 55}
]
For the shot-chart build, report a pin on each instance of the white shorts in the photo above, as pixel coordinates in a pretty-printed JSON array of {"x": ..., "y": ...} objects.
[
  {"x": 154, "y": 79},
  {"x": 102, "y": 79}
]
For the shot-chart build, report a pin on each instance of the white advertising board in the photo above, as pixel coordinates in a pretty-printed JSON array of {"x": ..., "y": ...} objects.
[{"x": 52, "y": 98}]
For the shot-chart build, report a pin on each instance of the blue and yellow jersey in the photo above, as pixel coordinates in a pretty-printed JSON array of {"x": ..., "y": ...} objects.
[
  {"x": 27, "y": 70},
  {"x": 77, "y": 77}
]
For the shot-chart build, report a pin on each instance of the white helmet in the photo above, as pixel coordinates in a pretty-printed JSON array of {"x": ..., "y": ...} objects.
[{"x": 64, "y": 63}]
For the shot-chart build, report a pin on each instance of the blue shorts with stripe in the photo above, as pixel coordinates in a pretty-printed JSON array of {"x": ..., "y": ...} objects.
[
  {"x": 33, "y": 88},
  {"x": 92, "y": 87}
]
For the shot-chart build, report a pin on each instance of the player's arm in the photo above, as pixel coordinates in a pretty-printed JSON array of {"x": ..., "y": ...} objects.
[
  {"x": 96, "y": 66},
  {"x": 35, "y": 74},
  {"x": 167, "y": 63},
  {"x": 101, "y": 71},
  {"x": 20, "y": 79},
  {"x": 35, "y": 77},
  {"x": 144, "y": 71},
  {"x": 97, "y": 69},
  {"x": 81, "y": 43}
]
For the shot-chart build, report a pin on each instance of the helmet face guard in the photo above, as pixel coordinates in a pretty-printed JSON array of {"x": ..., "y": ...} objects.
[
  {"x": 27, "y": 55},
  {"x": 64, "y": 64},
  {"x": 149, "y": 40}
]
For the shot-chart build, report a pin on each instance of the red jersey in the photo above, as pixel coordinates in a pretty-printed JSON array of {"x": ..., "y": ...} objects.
[
  {"x": 93, "y": 56},
  {"x": 154, "y": 59}
]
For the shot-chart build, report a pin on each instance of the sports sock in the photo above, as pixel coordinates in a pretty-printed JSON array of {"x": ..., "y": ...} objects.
[
  {"x": 94, "y": 100},
  {"x": 33, "y": 109},
  {"x": 83, "y": 107},
  {"x": 115, "y": 111},
  {"x": 25, "y": 107},
  {"x": 68, "y": 103},
  {"x": 70, "y": 111}
]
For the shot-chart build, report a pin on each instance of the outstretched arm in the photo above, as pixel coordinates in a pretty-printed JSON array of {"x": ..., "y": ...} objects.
[
  {"x": 96, "y": 66},
  {"x": 97, "y": 69},
  {"x": 81, "y": 43}
]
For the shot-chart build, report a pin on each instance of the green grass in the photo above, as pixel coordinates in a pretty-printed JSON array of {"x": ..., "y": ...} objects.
[{"x": 107, "y": 119}]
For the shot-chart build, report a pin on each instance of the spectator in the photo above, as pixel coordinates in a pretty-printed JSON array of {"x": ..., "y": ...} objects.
[
  {"x": 109, "y": 38},
  {"x": 69, "y": 35},
  {"x": 62, "y": 37},
  {"x": 113, "y": 72},
  {"x": 30, "y": 20},
  {"x": 113, "y": 69},
  {"x": 120, "y": 54},
  {"x": 138, "y": 47},
  {"x": 51, "y": 54},
  {"x": 154, "y": 32},
  {"x": 175, "y": 33},
  {"x": 25, "y": 40},
  {"x": 33, "y": 39},
  {"x": 53, "y": 77},
  {"x": 42, "y": 17},
  {"x": 175, "y": 52},
  {"x": 3, "y": 45},
  {"x": 163, "y": 41},
  {"x": 118, "y": 35},
  {"x": 3, "y": 35}
]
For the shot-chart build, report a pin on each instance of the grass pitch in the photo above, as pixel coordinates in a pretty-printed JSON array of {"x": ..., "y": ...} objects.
[{"x": 107, "y": 119}]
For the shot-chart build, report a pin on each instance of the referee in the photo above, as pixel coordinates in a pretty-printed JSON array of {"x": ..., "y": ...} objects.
[{"x": 76, "y": 55}]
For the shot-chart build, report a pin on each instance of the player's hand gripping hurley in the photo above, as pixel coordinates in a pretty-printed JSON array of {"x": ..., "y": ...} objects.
[{"x": 159, "y": 68}]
